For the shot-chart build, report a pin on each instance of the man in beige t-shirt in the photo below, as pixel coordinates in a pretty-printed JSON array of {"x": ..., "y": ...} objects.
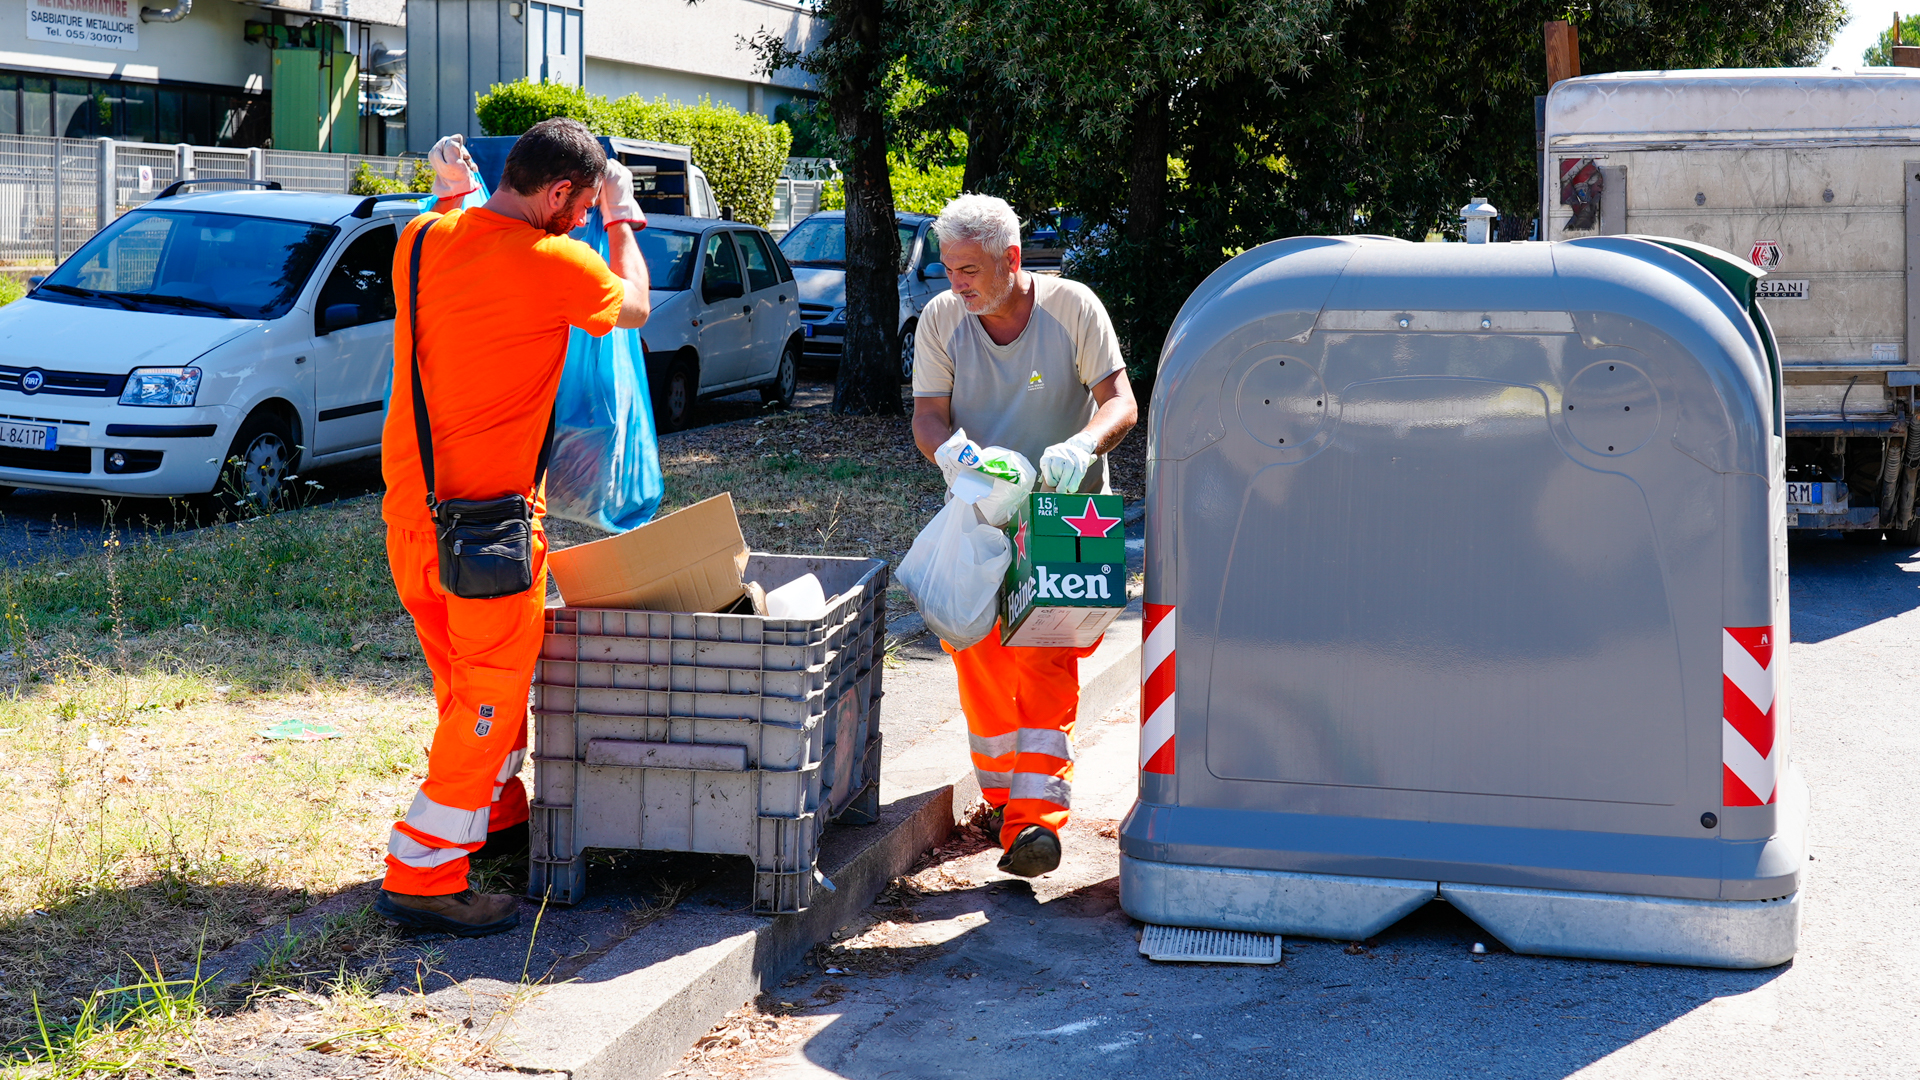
[{"x": 1029, "y": 363}]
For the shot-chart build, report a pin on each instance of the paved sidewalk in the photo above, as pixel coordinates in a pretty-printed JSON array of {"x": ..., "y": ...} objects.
[{"x": 977, "y": 976}]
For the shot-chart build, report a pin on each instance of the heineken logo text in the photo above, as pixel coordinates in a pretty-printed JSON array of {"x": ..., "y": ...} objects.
[
  {"x": 1069, "y": 586},
  {"x": 1047, "y": 585}
]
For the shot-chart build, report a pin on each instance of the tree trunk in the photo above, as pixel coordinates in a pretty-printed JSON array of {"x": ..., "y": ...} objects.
[
  {"x": 1147, "y": 170},
  {"x": 986, "y": 142},
  {"x": 869, "y": 378}
]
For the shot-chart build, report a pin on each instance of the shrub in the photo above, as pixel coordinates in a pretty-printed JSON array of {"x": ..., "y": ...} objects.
[
  {"x": 369, "y": 181},
  {"x": 10, "y": 290},
  {"x": 742, "y": 155}
]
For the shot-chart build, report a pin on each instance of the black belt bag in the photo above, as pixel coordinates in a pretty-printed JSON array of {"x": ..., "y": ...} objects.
[{"x": 486, "y": 545}]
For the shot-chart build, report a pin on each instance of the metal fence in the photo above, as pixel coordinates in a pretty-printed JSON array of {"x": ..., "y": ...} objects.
[
  {"x": 55, "y": 193},
  {"x": 792, "y": 201}
]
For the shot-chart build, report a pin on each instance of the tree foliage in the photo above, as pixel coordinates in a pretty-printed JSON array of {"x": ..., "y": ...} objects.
[
  {"x": 741, "y": 154},
  {"x": 1286, "y": 118}
]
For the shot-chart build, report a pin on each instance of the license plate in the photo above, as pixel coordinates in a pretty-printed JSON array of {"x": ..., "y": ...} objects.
[
  {"x": 28, "y": 436},
  {"x": 1802, "y": 492}
]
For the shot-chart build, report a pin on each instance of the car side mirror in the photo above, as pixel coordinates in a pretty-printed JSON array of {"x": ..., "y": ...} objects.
[
  {"x": 716, "y": 291},
  {"x": 33, "y": 281},
  {"x": 339, "y": 317},
  {"x": 933, "y": 270}
]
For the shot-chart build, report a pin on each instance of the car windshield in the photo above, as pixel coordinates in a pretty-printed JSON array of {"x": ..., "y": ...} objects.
[
  {"x": 669, "y": 254},
  {"x": 181, "y": 262},
  {"x": 823, "y": 242}
]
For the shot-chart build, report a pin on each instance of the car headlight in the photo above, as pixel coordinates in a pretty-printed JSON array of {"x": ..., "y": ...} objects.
[{"x": 161, "y": 386}]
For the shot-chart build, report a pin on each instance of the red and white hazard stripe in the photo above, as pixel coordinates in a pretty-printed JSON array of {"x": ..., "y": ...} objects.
[
  {"x": 1156, "y": 691},
  {"x": 1748, "y": 757}
]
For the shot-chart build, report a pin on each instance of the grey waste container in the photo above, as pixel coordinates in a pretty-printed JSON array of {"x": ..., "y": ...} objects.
[{"x": 1466, "y": 578}]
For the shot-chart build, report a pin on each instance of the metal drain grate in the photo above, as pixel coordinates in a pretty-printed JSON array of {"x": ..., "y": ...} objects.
[{"x": 1208, "y": 946}]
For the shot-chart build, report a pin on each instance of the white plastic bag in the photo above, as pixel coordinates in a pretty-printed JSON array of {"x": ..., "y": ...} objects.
[
  {"x": 994, "y": 478},
  {"x": 954, "y": 571}
]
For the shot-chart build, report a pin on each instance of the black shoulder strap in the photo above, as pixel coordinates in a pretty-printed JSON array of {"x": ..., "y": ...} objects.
[{"x": 422, "y": 424}]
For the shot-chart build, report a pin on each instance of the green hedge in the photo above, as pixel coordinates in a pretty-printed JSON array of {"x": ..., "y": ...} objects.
[{"x": 741, "y": 154}]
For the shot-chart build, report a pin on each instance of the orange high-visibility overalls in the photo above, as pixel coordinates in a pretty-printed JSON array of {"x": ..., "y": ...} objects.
[
  {"x": 1020, "y": 705},
  {"x": 497, "y": 297}
]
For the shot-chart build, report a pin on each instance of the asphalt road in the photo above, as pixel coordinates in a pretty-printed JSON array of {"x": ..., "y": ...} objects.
[
  {"x": 992, "y": 977},
  {"x": 37, "y": 524}
]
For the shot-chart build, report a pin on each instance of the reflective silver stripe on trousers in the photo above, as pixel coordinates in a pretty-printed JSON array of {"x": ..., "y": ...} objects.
[
  {"x": 1051, "y": 789},
  {"x": 993, "y": 745},
  {"x": 509, "y": 769},
  {"x": 1025, "y": 741},
  {"x": 1043, "y": 741},
  {"x": 446, "y": 823},
  {"x": 418, "y": 855},
  {"x": 993, "y": 779}
]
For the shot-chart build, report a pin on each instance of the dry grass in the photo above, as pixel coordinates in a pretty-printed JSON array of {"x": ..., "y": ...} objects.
[{"x": 150, "y": 824}]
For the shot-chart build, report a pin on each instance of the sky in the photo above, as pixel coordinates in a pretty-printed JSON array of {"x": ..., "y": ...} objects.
[{"x": 1869, "y": 18}]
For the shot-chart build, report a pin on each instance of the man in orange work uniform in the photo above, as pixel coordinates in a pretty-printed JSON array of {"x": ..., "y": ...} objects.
[
  {"x": 500, "y": 285},
  {"x": 1029, "y": 363}
]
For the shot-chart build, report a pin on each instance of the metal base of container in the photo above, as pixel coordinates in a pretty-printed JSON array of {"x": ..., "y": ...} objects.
[
  {"x": 1542, "y": 922},
  {"x": 1653, "y": 929},
  {"x": 1266, "y": 901}
]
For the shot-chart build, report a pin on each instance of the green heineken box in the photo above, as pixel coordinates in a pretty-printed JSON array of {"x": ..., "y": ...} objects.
[{"x": 1069, "y": 574}]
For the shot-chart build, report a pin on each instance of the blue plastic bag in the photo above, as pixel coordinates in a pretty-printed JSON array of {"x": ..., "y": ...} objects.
[{"x": 605, "y": 470}]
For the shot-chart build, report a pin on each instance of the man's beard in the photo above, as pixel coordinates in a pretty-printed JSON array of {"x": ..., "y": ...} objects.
[
  {"x": 561, "y": 223},
  {"x": 988, "y": 304}
]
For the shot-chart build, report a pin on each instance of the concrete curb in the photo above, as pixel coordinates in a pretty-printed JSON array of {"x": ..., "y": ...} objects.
[{"x": 634, "y": 1012}]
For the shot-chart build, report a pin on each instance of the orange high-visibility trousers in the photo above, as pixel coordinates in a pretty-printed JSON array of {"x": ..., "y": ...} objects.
[
  {"x": 482, "y": 654},
  {"x": 1020, "y": 705}
]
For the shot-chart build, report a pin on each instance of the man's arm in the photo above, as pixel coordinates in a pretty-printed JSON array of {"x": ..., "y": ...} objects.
[
  {"x": 933, "y": 423},
  {"x": 624, "y": 259},
  {"x": 1114, "y": 414}
]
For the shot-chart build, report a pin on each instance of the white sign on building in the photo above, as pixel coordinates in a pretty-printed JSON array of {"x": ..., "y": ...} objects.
[{"x": 101, "y": 24}]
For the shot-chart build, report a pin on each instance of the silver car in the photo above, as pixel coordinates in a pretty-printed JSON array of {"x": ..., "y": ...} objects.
[{"x": 817, "y": 248}]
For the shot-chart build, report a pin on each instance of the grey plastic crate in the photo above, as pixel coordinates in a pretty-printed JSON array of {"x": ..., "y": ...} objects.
[{"x": 725, "y": 734}]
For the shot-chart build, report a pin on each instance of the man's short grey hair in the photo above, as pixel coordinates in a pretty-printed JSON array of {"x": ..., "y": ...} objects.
[{"x": 982, "y": 219}]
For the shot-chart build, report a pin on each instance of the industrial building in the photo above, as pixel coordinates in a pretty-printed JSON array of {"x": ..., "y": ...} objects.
[{"x": 243, "y": 74}]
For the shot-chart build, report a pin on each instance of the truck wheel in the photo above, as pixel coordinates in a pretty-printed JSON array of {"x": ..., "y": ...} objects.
[
  {"x": 1907, "y": 537},
  {"x": 257, "y": 464},
  {"x": 779, "y": 393},
  {"x": 675, "y": 394}
]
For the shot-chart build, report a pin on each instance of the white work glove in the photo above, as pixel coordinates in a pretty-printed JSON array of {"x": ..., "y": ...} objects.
[
  {"x": 453, "y": 171},
  {"x": 617, "y": 203},
  {"x": 1065, "y": 464}
]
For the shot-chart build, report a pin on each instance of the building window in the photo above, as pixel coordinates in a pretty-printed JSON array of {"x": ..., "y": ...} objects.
[{"x": 136, "y": 112}]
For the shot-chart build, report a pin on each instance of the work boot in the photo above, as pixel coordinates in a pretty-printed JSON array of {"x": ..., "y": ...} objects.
[
  {"x": 1034, "y": 852},
  {"x": 510, "y": 843},
  {"x": 462, "y": 914}
]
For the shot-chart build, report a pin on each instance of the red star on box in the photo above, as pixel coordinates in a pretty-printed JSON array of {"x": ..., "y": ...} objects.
[
  {"x": 1091, "y": 523},
  {"x": 1020, "y": 539}
]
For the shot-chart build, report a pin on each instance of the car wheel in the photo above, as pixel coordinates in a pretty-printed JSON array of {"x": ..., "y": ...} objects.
[
  {"x": 779, "y": 393},
  {"x": 258, "y": 463},
  {"x": 907, "y": 334},
  {"x": 678, "y": 389}
]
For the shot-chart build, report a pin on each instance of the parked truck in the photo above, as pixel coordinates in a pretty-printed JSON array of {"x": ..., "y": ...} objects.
[{"x": 1812, "y": 175}]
